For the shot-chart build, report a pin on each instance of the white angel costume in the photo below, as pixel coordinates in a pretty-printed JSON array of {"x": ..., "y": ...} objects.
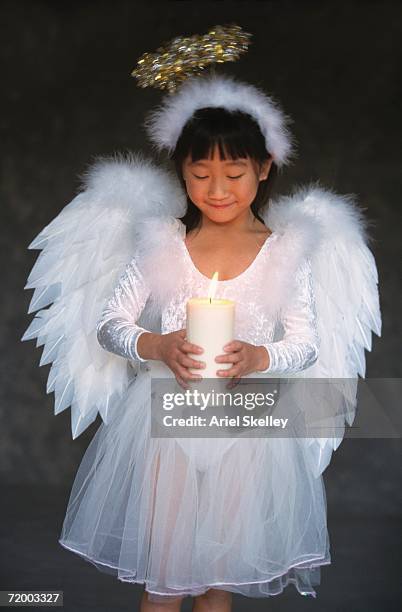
[{"x": 183, "y": 515}]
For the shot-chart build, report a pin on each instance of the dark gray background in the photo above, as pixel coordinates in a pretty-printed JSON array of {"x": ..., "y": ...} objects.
[{"x": 68, "y": 96}]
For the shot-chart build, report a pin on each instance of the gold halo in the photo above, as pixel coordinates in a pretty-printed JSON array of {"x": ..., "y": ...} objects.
[{"x": 185, "y": 56}]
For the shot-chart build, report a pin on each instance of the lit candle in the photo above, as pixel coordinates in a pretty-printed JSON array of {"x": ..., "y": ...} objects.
[{"x": 210, "y": 324}]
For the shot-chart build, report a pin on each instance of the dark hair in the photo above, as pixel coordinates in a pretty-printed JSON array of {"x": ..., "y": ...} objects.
[{"x": 236, "y": 134}]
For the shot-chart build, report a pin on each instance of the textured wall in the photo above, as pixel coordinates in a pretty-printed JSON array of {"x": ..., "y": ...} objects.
[{"x": 68, "y": 96}]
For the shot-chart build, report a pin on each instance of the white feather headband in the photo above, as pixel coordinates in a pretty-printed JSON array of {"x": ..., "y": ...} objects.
[{"x": 165, "y": 123}]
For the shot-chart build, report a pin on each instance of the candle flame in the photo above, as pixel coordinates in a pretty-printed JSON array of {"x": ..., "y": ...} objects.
[{"x": 212, "y": 287}]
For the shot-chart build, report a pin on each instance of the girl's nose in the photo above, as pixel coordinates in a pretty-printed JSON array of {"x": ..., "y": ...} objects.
[{"x": 217, "y": 189}]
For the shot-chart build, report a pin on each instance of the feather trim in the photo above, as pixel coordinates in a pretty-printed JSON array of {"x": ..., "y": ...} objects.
[{"x": 165, "y": 123}]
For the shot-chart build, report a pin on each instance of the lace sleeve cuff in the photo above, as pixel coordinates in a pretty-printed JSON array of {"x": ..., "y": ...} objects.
[
  {"x": 134, "y": 348},
  {"x": 270, "y": 356},
  {"x": 289, "y": 357}
]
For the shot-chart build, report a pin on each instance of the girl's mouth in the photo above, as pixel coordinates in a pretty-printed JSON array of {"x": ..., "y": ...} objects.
[{"x": 221, "y": 205}]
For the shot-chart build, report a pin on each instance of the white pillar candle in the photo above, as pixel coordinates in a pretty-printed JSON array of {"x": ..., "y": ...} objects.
[{"x": 210, "y": 324}]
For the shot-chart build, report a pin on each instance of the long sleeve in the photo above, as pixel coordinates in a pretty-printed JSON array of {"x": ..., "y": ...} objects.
[
  {"x": 117, "y": 330},
  {"x": 300, "y": 344}
]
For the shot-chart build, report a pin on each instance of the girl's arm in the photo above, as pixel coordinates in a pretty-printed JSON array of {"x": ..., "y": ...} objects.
[
  {"x": 117, "y": 330},
  {"x": 300, "y": 345}
]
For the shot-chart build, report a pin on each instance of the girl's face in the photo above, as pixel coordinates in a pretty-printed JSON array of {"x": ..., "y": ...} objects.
[{"x": 223, "y": 189}]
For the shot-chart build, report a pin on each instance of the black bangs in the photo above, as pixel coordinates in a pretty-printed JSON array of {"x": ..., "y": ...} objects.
[{"x": 237, "y": 135}]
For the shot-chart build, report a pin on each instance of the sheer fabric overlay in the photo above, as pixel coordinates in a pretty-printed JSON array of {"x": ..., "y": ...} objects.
[{"x": 184, "y": 515}]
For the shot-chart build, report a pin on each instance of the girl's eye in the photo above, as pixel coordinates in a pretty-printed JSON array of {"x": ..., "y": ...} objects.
[{"x": 231, "y": 177}]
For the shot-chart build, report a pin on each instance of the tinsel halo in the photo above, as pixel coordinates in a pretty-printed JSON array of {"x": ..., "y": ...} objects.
[{"x": 185, "y": 56}]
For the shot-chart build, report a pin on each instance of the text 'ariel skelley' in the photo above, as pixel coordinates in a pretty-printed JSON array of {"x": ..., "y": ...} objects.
[{"x": 246, "y": 420}]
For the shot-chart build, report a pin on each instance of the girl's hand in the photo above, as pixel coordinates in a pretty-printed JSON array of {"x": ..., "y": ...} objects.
[
  {"x": 246, "y": 358},
  {"x": 174, "y": 351}
]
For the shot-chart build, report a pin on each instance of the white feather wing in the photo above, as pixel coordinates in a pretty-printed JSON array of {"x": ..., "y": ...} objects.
[
  {"x": 347, "y": 303},
  {"x": 84, "y": 250}
]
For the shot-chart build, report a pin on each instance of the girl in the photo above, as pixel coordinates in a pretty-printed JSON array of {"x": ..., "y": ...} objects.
[
  {"x": 197, "y": 516},
  {"x": 223, "y": 162}
]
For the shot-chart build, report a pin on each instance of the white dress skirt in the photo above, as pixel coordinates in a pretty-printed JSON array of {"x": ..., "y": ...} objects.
[{"x": 182, "y": 518}]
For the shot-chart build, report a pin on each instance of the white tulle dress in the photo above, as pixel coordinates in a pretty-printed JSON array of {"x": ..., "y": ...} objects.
[{"x": 184, "y": 515}]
